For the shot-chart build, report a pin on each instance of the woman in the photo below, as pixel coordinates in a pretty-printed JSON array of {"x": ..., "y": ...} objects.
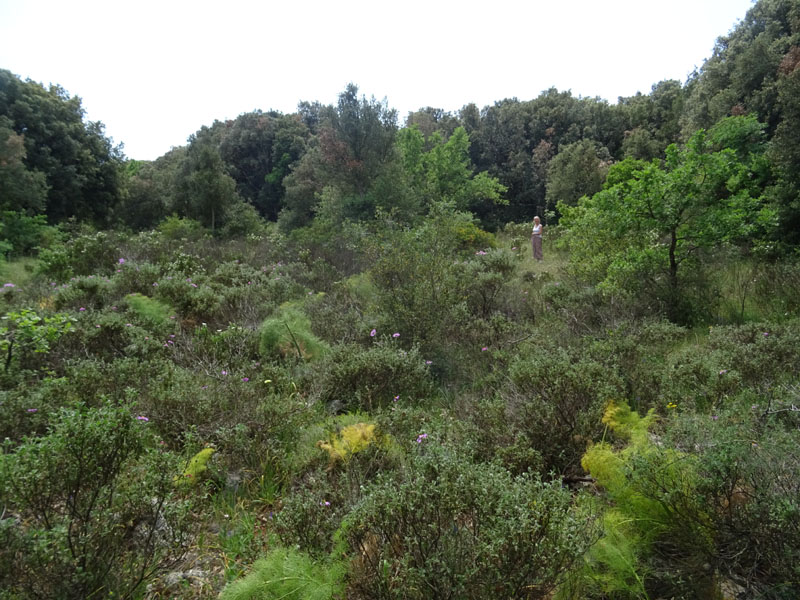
[{"x": 536, "y": 238}]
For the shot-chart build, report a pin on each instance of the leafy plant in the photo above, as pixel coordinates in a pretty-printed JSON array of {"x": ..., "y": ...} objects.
[
  {"x": 93, "y": 507},
  {"x": 447, "y": 528}
]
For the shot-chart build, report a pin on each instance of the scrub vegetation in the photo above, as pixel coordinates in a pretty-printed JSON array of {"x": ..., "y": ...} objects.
[{"x": 311, "y": 356}]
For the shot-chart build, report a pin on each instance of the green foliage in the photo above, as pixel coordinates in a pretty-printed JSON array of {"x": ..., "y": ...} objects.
[
  {"x": 22, "y": 232},
  {"x": 577, "y": 170},
  {"x": 25, "y": 334},
  {"x": 444, "y": 527},
  {"x": 444, "y": 173},
  {"x": 85, "y": 254},
  {"x": 22, "y": 190},
  {"x": 203, "y": 190},
  {"x": 181, "y": 228},
  {"x": 349, "y": 441},
  {"x": 68, "y": 159},
  {"x": 151, "y": 311},
  {"x": 422, "y": 286},
  {"x": 289, "y": 574},
  {"x": 196, "y": 470},
  {"x": 288, "y": 334},
  {"x": 95, "y": 513},
  {"x": 651, "y": 224},
  {"x": 356, "y": 378},
  {"x": 617, "y": 563}
]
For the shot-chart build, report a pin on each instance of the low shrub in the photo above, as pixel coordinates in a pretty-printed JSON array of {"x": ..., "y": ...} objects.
[
  {"x": 444, "y": 527},
  {"x": 353, "y": 378},
  {"x": 555, "y": 397},
  {"x": 91, "y": 508}
]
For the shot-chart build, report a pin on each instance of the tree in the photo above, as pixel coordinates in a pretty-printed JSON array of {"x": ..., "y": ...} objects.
[
  {"x": 352, "y": 151},
  {"x": 578, "y": 170},
  {"x": 204, "y": 191},
  {"x": 80, "y": 164},
  {"x": 21, "y": 189},
  {"x": 648, "y": 227},
  {"x": 259, "y": 150}
]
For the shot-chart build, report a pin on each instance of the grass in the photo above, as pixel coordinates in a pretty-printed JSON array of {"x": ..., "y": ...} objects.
[{"x": 18, "y": 271}]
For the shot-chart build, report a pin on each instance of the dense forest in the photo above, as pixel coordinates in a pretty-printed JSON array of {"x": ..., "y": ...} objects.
[{"x": 311, "y": 355}]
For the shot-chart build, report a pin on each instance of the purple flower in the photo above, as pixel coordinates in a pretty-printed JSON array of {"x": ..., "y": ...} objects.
[
  {"x": 395, "y": 335},
  {"x": 32, "y": 410},
  {"x": 372, "y": 333},
  {"x": 428, "y": 362},
  {"x": 484, "y": 349},
  {"x": 723, "y": 371},
  {"x": 245, "y": 379},
  {"x": 765, "y": 333},
  {"x": 396, "y": 398},
  {"x": 81, "y": 309},
  {"x": 714, "y": 417},
  {"x": 121, "y": 261},
  {"x": 326, "y": 503},
  {"x": 155, "y": 284},
  {"x": 9, "y": 285},
  {"x": 141, "y": 418},
  {"x": 224, "y": 372},
  {"x": 422, "y": 436},
  {"x": 128, "y": 324}
]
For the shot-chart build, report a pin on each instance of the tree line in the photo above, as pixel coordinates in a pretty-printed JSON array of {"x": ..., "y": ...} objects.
[{"x": 352, "y": 160}]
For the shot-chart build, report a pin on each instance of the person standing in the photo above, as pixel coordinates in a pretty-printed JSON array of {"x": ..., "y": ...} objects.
[{"x": 536, "y": 238}]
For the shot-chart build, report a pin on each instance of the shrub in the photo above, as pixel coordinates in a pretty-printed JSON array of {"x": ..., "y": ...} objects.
[
  {"x": 84, "y": 292},
  {"x": 86, "y": 254},
  {"x": 555, "y": 398},
  {"x": 748, "y": 474},
  {"x": 92, "y": 507},
  {"x": 354, "y": 378},
  {"x": 448, "y": 528},
  {"x": 26, "y": 338}
]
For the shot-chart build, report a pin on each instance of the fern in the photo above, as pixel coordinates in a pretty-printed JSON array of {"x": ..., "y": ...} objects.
[
  {"x": 349, "y": 441},
  {"x": 150, "y": 310},
  {"x": 289, "y": 575},
  {"x": 288, "y": 334},
  {"x": 634, "y": 478}
]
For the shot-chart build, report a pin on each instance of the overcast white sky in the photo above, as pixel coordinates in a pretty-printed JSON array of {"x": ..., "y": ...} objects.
[{"x": 154, "y": 72}]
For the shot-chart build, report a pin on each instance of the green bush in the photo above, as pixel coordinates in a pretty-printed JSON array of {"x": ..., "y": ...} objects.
[
  {"x": 93, "y": 508},
  {"x": 555, "y": 399},
  {"x": 353, "y": 378},
  {"x": 86, "y": 254},
  {"x": 87, "y": 292},
  {"x": 748, "y": 483},
  {"x": 448, "y": 528}
]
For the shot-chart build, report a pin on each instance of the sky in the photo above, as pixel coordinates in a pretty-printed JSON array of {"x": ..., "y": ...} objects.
[{"x": 154, "y": 72}]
